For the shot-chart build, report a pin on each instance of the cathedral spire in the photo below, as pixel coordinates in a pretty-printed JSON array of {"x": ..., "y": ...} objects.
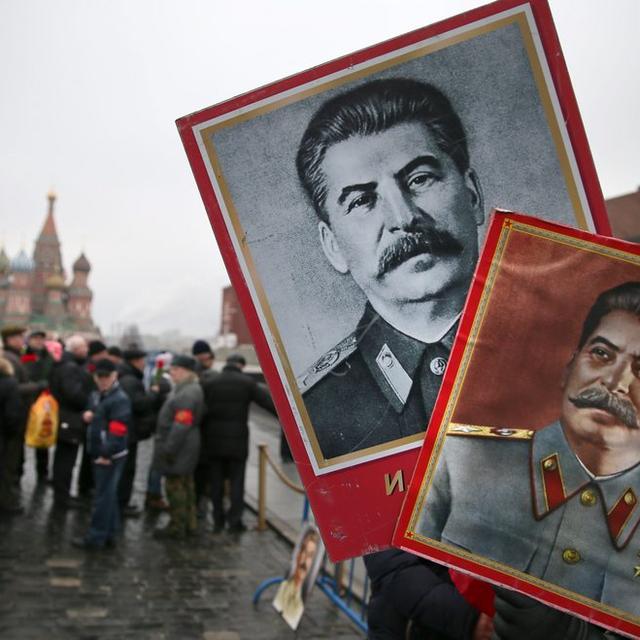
[
  {"x": 47, "y": 258},
  {"x": 49, "y": 228}
]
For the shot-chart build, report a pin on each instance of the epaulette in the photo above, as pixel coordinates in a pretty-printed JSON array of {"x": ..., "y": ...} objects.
[
  {"x": 327, "y": 362},
  {"x": 477, "y": 431}
]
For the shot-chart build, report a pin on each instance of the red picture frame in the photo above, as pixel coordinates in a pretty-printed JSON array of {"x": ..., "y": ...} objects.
[
  {"x": 534, "y": 285},
  {"x": 356, "y": 497}
]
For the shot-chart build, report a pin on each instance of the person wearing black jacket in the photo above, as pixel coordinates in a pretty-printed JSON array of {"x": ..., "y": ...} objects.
[
  {"x": 225, "y": 434},
  {"x": 109, "y": 420},
  {"x": 71, "y": 385},
  {"x": 145, "y": 406},
  {"x": 97, "y": 350},
  {"x": 414, "y": 598},
  {"x": 38, "y": 364},
  {"x": 10, "y": 416},
  {"x": 10, "y": 405},
  {"x": 11, "y": 469}
]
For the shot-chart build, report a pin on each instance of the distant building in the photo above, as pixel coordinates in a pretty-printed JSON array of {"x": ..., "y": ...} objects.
[
  {"x": 233, "y": 327},
  {"x": 34, "y": 290},
  {"x": 624, "y": 215}
]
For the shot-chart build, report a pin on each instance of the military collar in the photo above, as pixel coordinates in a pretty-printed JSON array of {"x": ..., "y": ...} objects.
[
  {"x": 392, "y": 357},
  {"x": 557, "y": 476}
]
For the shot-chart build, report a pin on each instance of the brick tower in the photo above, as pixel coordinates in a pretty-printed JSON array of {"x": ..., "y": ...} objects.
[{"x": 47, "y": 259}]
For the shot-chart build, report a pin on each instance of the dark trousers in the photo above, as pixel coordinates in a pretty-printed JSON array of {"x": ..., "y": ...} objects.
[
  {"x": 202, "y": 480},
  {"x": 222, "y": 468},
  {"x": 42, "y": 463},
  {"x": 10, "y": 462},
  {"x": 85, "y": 477},
  {"x": 105, "y": 516},
  {"x": 125, "y": 488},
  {"x": 63, "y": 462}
]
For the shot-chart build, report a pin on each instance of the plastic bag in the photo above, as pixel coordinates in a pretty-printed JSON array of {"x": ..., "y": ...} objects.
[{"x": 42, "y": 425}]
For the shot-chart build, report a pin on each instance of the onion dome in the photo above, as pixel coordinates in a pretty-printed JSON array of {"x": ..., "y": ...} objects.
[
  {"x": 56, "y": 281},
  {"x": 82, "y": 264},
  {"x": 4, "y": 261},
  {"x": 22, "y": 262}
]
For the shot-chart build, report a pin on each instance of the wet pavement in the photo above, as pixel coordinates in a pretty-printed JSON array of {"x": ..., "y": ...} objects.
[{"x": 145, "y": 588}]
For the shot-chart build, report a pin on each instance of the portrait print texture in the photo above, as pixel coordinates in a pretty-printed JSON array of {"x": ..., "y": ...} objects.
[{"x": 491, "y": 84}]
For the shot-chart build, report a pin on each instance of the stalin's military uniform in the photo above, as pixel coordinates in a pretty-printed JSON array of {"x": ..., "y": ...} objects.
[
  {"x": 375, "y": 386},
  {"x": 523, "y": 499}
]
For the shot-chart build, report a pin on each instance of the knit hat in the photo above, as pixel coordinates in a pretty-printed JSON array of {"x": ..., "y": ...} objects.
[
  {"x": 134, "y": 354},
  {"x": 201, "y": 346},
  {"x": 104, "y": 367},
  {"x": 96, "y": 346},
  {"x": 184, "y": 361},
  {"x": 115, "y": 351},
  {"x": 236, "y": 358},
  {"x": 12, "y": 330}
]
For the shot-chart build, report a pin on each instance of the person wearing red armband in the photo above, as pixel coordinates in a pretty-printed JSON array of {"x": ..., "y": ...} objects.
[
  {"x": 109, "y": 419},
  {"x": 177, "y": 446}
]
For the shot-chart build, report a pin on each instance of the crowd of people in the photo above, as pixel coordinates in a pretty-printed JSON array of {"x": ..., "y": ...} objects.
[
  {"x": 198, "y": 419},
  {"x": 107, "y": 403}
]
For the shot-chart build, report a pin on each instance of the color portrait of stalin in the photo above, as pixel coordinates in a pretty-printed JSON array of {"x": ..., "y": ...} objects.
[{"x": 560, "y": 503}]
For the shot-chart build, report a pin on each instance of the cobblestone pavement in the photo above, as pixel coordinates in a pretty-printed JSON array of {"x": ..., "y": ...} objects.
[{"x": 145, "y": 588}]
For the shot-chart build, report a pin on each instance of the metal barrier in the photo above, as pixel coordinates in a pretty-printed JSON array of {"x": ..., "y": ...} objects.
[{"x": 333, "y": 586}]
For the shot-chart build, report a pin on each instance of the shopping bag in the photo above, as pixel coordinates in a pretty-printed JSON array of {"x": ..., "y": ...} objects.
[{"x": 42, "y": 425}]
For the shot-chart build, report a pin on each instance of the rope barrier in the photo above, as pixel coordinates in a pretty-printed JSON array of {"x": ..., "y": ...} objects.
[{"x": 279, "y": 472}]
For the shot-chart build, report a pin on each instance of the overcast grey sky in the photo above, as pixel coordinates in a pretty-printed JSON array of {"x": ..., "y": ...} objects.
[{"x": 91, "y": 88}]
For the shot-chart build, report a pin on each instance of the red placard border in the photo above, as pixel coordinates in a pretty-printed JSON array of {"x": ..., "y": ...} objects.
[{"x": 341, "y": 544}]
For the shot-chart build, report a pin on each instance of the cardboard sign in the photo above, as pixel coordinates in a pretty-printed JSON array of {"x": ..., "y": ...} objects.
[
  {"x": 530, "y": 472},
  {"x": 349, "y": 202}
]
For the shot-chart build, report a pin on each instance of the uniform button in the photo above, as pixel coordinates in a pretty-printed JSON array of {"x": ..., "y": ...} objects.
[
  {"x": 571, "y": 556},
  {"x": 386, "y": 360},
  {"x": 438, "y": 365},
  {"x": 588, "y": 497},
  {"x": 629, "y": 498},
  {"x": 550, "y": 464}
]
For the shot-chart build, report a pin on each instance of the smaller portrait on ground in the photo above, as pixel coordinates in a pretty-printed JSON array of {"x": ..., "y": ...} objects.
[
  {"x": 295, "y": 589},
  {"x": 530, "y": 474}
]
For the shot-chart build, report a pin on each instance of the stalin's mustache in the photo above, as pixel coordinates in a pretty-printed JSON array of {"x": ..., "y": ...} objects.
[
  {"x": 432, "y": 241},
  {"x": 600, "y": 398}
]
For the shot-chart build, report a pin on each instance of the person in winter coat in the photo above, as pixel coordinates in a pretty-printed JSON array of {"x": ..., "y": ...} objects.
[
  {"x": 203, "y": 353},
  {"x": 414, "y": 598},
  {"x": 145, "y": 406},
  {"x": 228, "y": 397},
  {"x": 109, "y": 419},
  {"x": 71, "y": 386},
  {"x": 38, "y": 364},
  {"x": 10, "y": 412},
  {"x": 97, "y": 350},
  {"x": 177, "y": 446},
  {"x": 11, "y": 470}
]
